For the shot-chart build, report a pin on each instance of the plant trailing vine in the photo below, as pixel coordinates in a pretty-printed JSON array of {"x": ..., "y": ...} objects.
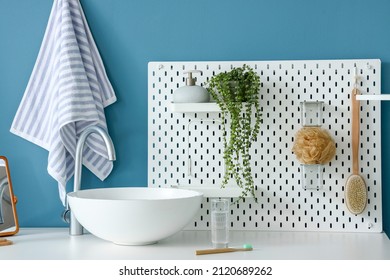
[{"x": 237, "y": 94}]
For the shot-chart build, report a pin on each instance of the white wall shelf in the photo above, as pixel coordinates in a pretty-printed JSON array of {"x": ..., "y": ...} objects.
[
  {"x": 376, "y": 97},
  {"x": 194, "y": 107},
  {"x": 211, "y": 191}
]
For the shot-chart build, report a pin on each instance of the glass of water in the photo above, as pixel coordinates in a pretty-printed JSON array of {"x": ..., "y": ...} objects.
[{"x": 220, "y": 223}]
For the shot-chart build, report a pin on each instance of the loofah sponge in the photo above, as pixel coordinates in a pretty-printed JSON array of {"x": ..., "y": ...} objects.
[{"x": 314, "y": 145}]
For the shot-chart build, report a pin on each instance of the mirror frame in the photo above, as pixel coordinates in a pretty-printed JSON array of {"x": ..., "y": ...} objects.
[{"x": 13, "y": 199}]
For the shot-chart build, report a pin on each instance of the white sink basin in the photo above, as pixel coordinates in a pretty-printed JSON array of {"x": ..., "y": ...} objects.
[{"x": 134, "y": 216}]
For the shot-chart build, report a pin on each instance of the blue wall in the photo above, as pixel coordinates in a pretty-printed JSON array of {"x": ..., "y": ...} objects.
[{"x": 131, "y": 33}]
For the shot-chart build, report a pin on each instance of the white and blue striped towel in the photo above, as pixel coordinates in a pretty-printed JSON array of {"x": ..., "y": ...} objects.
[{"x": 67, "y": 92}]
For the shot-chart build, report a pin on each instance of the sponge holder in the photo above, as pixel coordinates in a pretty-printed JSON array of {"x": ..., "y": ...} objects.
[
  {"x": 311, "y": 116},
  {"x": 312, "y": 113}
]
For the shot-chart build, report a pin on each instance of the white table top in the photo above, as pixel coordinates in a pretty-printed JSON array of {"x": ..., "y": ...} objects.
[{"x": 56, "y": 244}]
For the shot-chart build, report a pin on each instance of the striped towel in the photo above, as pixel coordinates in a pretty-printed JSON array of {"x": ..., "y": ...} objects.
[{"x": 67, "y": 92}]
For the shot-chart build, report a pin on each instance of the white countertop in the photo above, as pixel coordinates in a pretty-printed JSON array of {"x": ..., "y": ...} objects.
[{"x": 56, "y": 244}]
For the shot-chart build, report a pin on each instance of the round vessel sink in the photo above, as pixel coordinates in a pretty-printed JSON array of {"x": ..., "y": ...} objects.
[{"x": 134, "y": 216}]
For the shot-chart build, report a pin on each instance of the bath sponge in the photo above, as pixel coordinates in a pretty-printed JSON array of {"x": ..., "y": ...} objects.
[{"x": 314, "y": 145}]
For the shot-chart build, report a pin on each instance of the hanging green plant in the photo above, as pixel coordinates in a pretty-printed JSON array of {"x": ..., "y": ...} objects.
[{"x": 237, "y": 94}]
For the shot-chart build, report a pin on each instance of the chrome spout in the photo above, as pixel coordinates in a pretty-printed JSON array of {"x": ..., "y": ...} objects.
[{"x": 75, "y": 228}]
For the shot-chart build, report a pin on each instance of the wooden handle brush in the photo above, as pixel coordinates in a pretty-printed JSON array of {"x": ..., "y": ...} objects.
[
  {"x": 245, "y": 247},
  {"x": 355, "y": 187}
]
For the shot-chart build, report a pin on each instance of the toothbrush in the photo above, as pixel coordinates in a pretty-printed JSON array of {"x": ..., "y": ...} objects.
[{"x": 245, "y": 247}]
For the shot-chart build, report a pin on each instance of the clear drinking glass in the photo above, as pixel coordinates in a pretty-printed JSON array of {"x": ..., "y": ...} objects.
[{"x": 220, "y": 223}]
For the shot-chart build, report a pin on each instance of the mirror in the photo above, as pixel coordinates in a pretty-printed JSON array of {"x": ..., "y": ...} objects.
[{"x": 8, "y": 219}]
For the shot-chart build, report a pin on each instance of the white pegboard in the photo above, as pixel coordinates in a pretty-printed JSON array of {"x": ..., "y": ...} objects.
[{"x": 283, "y": 204}]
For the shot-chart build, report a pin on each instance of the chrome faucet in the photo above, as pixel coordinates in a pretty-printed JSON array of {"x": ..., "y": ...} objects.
[{"x": 75, "y": 228}]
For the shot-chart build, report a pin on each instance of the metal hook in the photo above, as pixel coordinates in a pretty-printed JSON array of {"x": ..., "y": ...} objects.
[{"x": 356, "y": 78}]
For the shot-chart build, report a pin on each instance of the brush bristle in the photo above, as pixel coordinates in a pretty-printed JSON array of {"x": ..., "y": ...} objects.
[
  {"x": 355, "y": 194},
  {"x": 247, "y": 246}
]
